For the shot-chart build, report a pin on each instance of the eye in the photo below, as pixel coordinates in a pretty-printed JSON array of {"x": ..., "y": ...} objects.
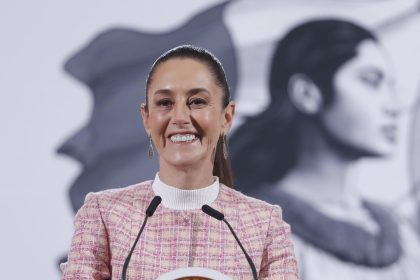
[
  {"x": 371, "y": 79},
  {"x": 164, "y": 103},
  {"x": 197, "y": 102}
]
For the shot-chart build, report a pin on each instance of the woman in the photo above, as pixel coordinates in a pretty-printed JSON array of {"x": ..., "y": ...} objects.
[
  {"x": 187, "y": 114},
  {"x": 332, "y": 103}
]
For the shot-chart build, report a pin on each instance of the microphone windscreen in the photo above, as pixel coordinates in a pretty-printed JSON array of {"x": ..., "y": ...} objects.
[
  {"x": 212, "y": 212},
  {"x": 153, "y": 205}
]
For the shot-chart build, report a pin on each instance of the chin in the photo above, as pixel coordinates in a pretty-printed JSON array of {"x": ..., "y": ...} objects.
[
  {"x": 180, "y": 161},
  {"x": 378, "y": 151},
  {"x": 385, "y": 152},
  {"x": 356, "y": 149}
]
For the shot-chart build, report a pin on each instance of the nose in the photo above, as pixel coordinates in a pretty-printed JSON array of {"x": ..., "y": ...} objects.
[{"x": 181, "y": 114}]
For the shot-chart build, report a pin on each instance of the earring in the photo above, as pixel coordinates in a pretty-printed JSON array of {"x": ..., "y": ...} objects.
[
  {"x": 225, "y": 149},
  {"x": 150, "y": 151}
]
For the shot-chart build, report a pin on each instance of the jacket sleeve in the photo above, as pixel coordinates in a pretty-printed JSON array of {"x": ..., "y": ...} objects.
[
  {"x": 278, "y": 261},
  {"x": 89, "y": 251}
]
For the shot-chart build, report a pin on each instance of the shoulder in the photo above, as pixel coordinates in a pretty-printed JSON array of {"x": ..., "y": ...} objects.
[
  {"x": 122, "y": 194},
  {"x": 120, "y": 198},
  {"x": 248, "y": 205},
  {"x": 243, "y": 200}
]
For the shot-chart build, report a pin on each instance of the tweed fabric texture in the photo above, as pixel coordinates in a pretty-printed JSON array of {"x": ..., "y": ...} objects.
[{"x": 108, "y": 222}]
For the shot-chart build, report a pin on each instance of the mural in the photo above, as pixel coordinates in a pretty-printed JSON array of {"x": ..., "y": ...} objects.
[
  {"x": 332, "y": 103},
  {"x": 316, "y": 93}
]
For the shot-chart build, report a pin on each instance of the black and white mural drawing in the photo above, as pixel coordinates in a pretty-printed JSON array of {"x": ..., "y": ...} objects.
[
  {"x": 332, "y": 102},
  {"x": 322, "y": 119}
]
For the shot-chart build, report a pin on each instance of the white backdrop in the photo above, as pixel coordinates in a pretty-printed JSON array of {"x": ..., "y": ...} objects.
[{"x": 41, "y": 106}]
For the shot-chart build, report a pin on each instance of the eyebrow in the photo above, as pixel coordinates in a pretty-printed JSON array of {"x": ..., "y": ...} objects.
[
  {"x": 197, "y": 90},
  {"x": 190, "y": 92},
  {"x": 162, "y": 91}
]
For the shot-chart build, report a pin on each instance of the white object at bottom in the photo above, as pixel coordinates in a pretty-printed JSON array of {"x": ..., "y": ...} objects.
[{"x": 193, "y": 273}]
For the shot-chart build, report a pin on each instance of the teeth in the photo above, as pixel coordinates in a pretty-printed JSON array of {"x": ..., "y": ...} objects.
[{"x": 177, "y": 138}]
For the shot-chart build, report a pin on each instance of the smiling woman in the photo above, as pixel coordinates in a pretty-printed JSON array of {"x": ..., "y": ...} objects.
[{"x": 187, "y": 113}]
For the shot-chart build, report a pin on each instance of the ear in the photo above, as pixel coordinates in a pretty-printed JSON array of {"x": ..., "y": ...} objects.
[
  {"x": 145, "y": 116},
  {"x": 305, "y": 94},
  {"x": 228, "y": 113}
]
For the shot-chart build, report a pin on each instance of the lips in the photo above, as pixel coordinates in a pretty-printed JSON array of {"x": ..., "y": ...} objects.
[{"x": 390, "y": 132}]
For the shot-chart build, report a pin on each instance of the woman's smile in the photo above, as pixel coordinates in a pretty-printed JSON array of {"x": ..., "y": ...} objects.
[{"x": 183, "y": 138}]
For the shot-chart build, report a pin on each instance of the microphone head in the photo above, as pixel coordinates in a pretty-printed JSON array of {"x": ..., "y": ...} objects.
[
  {"x": 212, "y": 212},
  {"x": 153, "y": 205}
]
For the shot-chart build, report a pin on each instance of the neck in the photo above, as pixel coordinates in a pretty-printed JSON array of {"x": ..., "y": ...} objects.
[
  {"x": 185, "y": 199},
  {"x": 322, "y": 171},
  {"x": 186, "y": 177}
]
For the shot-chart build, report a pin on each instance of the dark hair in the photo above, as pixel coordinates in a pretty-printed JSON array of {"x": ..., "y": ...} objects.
[
  {"x": 264, "y": 148},
  {"x": 222, "y": 167}
]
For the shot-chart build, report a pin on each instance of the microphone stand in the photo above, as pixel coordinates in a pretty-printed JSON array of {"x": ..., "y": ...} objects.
[
  {"x": 219, "y": 216},
  {"x": 149, "y": 212}
]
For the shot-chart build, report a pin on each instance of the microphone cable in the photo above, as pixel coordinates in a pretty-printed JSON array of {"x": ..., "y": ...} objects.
[{"x": 149, "y": 212}]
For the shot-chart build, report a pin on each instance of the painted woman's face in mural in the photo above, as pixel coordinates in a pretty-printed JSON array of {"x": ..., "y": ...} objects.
[
  {"x": 363, "y": 113},
  {"x": 185, "y": 116}
]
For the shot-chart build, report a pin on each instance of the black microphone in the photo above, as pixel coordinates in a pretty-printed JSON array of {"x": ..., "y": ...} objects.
[
  {"x": 219, "y": 216},
  {"x": 149, "y": 212}
]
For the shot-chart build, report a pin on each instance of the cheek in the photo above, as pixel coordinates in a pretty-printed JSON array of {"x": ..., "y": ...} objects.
[
  {"x": 157, "y": 117},
  {"x": 209, "y": 123},
  {"x": 355, "y": 121},
  {"x": 354, "y": 107},
  {"x": 158, "y": 122},
  {"x": 356, "y": 114}
]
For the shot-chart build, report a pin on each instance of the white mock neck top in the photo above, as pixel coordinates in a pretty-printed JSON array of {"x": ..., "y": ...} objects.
[{"x": 179, "y": 199}]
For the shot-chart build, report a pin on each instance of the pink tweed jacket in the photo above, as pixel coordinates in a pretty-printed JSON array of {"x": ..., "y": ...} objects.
[{"x": 108, "y": 222}]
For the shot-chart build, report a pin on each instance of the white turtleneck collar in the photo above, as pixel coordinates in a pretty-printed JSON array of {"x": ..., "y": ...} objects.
[{"x": 179, "y": 199}]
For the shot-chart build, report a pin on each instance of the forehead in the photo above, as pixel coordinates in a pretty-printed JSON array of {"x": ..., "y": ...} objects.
[
  {"x": 182, "y": 73},
  {"x": 370, "y": 55}
]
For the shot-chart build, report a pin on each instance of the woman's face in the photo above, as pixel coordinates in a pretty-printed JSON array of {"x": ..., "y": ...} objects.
[
  {"x": 363, "y": 113},
  {"x": 185, "y": 116}
]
